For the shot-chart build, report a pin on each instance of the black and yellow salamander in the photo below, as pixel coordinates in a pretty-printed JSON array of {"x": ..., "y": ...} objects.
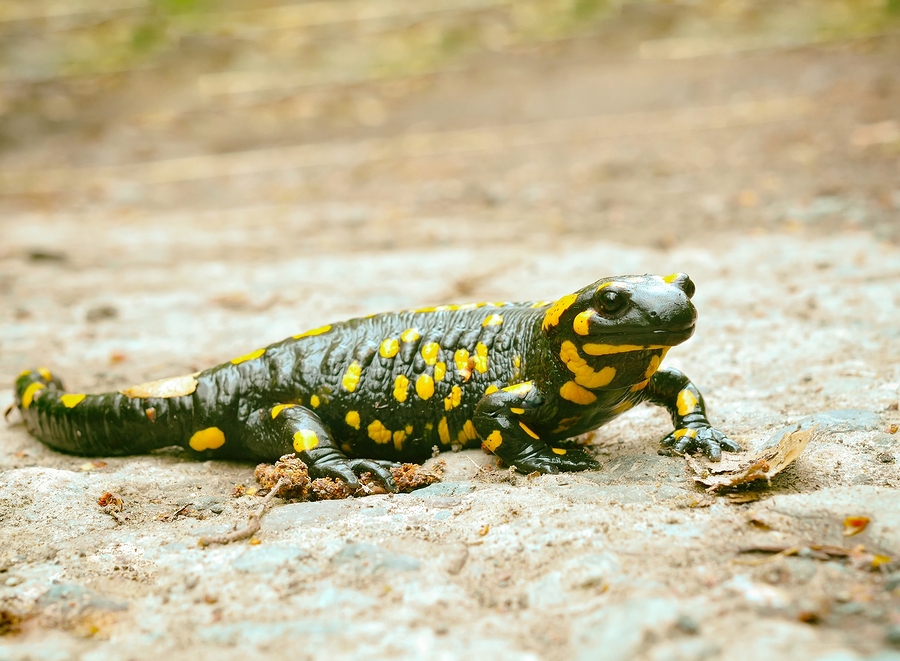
[{"x": 516, "y": 378}]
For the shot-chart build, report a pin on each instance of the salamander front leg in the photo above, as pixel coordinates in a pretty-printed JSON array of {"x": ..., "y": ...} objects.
[
  {"x": 289, "y": 428},
  {"x": 672, "y": 389},
  {"x": 501, "y": 421}
]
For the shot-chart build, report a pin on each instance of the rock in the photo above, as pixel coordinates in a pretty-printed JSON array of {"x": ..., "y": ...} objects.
[
  {"x": 589, "y": 572},
  {"x": 832, "y": 506},
  {"x": 267, "y": 558},
  {"x": 370, "y": 559},
  {"x": 617, "y": 633},
  {"x": 444, "y": 489},
  {"x": 296, "y": 516}
]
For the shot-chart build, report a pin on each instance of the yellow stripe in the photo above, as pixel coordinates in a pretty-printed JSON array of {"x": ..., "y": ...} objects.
[
  {"x": 249, "y": 356},
  {"x": 551, "y": 316},
  {"x": 72, "y": 400},
  {"x": 28, "y": 395},
  {"x": 278, "y": 409},
  {"x": 528, "y": 431},
  {"x": 444, "y": 431},
  {"x": 45, "y": 373},
  {"x": 314, "y": 331},
  {"x": 572, "y": 392}
]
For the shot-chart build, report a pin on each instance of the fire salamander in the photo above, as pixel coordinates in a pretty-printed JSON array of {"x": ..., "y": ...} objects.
[{"x": 516, "y": 378}]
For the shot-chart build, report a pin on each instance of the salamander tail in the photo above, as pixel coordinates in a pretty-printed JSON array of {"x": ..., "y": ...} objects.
[{"x": 106, "y": 424}]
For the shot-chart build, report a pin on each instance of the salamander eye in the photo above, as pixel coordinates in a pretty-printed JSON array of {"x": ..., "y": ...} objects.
[{"x": 612, "y": 301}]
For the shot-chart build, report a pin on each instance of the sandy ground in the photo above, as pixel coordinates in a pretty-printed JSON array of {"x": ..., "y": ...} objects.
[{"x": 771, "y": 176}]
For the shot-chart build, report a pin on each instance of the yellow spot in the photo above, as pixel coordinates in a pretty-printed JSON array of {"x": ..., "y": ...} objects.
[
  {"x": 401, "y": 388},
  {"x": 560, "y": 451},
  {"x": 572, "y": 392},
  {"x": 430, "y": 352},
  {"x": 23, "y": 373},
  {"x": 352, "y": 419},
  {"x": 585, "y": 375},
  {"x": 581, "y": 325},
  {"x": 527, "y": 430},
  {"x": 347, "y": 448},
  {"x": 491, "y": 389},
  {"x": 399, "y": 437},
  {"x": 389, "y": 348},
  {"x": 640, "y": 386},
  {"x": 444, "y": 431},
  {"x": 690, "y": 433},
  {"x": 278, "y": 409},
  {"x": 71, "y": 401},
  {"x": 247, "y": 356},
  {"x": 493, "y": 441},
  {"x": 440, "y": 369},
  {"x": 687, "y": 402},
  {"x": 493, "y": 320},
  {"x": 305, "y": 439},
  {"x": 429, "y": 426},
  {"x": 351, "y": 376},
  {"x": 540, "y": 304},
  {"x": 424, "y": 386},
  {"x": 624, "y": 406},
  {"x": 410, "y": 335},
  {"x": 461, "y": 358},
  {"x": 517, "y": 411},
  {"x": 672, "y": 277},
  {"x": 408, "y": 429},
  {"x": 606, "y": 349},
  {"x": 468, "y": 432},
  {"x": 173, "y": 387},
  {"x": 379, "y": 433},
  {"x": 45, "y": 374},
  {"x": 453, "y": 399},
  {"x": 314, "y": 401},
  {"x": 207, "y": 439},
  {"x": 652, "y": 367},
  {"x": 481, "y": 357},
  {"x": 520, "y": 389},
  {"x": 314, "y": 331},
  {"x": 28, "y": 395},
  {"x": 551, "y": 317},
  {"x": 517, "y": 361},
  {"x": 430, "y": 309},
  {"x": 604, "y": 285}
]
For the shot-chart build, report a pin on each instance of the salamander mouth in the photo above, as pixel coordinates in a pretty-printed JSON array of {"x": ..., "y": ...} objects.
[{"x": 668, "y": 337}]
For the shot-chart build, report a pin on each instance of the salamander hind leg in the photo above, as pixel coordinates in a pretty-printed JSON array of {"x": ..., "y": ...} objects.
[
  {"x": 287, "y": 428},
  {"x": 501, "y": 420}
]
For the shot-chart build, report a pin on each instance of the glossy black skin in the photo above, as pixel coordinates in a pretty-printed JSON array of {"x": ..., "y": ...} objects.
[{"x": 528, "y": 346}]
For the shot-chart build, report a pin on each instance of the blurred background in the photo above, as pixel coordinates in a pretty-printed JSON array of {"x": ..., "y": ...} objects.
[{"x": 280, "y": 127}]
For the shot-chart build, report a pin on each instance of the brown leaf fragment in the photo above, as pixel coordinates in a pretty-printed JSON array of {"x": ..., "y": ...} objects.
[{"x": 743, "y": 468}]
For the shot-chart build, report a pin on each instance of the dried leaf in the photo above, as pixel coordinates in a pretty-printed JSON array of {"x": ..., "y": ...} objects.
[
  {"x": 738, "y": 469},
  {"x": 853, "y": 525}
]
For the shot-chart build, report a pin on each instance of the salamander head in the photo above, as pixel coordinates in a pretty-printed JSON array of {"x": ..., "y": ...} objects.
[{"x": 625, "y": 319}]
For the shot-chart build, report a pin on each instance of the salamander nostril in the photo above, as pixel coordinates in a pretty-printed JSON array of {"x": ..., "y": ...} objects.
[{"x": 653, "y": 313}]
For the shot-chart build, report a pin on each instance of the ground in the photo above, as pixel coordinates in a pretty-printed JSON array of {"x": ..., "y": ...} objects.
[{"x": 171, "y": 213}]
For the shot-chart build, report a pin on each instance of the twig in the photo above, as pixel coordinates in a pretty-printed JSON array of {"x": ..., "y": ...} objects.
[{"x": 253, "y": 523}]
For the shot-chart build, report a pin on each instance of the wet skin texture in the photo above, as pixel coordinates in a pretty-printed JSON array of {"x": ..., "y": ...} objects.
[{"x": 516, "y": 378}]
